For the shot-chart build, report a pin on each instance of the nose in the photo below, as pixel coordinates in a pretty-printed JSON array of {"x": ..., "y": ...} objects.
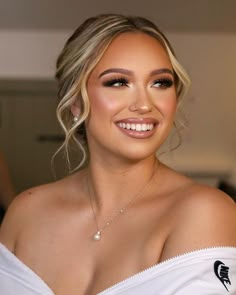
[{"x": 142, "y": 103}]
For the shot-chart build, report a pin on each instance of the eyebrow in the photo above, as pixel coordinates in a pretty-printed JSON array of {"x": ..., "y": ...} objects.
[
  {"x": 116, "y": 70},
  {"x": 129, "y": 73},
  {"x": 161, "y": 71}
]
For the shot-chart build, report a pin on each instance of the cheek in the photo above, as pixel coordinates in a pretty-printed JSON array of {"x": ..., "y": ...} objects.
[
  {"x": 102, "y": 102},
  {"x": 168, "y": 105}
]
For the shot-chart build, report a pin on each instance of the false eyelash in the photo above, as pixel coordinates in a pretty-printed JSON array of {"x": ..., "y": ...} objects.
[
  {"x": 113, "y": 81},
  {"x": 164, "y": 83}
]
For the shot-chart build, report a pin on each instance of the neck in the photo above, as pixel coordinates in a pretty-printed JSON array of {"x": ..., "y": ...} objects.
[{"x": 115, "y": 185}]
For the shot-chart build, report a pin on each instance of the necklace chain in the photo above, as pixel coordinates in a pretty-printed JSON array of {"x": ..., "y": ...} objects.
[{"x": 122, "y": 210}]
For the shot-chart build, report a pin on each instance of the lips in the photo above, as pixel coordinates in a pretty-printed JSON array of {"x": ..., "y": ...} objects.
[{"x": 138, "y": 128}]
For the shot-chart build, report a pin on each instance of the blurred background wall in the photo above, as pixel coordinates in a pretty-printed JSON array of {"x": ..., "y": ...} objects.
[{"x": 203, "y": 34}]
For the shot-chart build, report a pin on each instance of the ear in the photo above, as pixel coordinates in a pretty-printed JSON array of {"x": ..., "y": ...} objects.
[{"x": 75, "y": 110}]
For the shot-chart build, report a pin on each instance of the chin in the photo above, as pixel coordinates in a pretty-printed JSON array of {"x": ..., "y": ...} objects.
[{"x": 137, "y": 154}]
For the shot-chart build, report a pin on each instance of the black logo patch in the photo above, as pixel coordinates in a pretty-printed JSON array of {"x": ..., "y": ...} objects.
[{"x": 222, "y": 273}]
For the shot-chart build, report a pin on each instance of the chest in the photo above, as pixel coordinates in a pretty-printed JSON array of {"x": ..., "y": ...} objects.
[{"x": 70, "y": 262}]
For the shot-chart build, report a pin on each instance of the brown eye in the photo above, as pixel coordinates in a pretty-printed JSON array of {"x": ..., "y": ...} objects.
[
  {"x": 120, "y": 82},
  {"x": 163, "y": 83}
]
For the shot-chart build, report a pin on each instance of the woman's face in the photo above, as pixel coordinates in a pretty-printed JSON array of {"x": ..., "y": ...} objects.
[{"x": 133, "y": 98}]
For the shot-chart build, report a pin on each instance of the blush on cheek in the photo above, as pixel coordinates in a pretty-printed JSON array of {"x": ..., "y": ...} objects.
[
  {"x": 105, "y": 105},
  {"x": 105, "y": 102},
  {"x": 168, "y": 106}
]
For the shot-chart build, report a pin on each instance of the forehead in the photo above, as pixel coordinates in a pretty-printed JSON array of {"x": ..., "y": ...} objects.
[{"x": 134, "y": 50}]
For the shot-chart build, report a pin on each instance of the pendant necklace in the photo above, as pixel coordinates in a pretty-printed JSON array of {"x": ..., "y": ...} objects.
[{"x": 98, "y": 234}]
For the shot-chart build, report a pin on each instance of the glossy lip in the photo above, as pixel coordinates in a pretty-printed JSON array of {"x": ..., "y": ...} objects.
[{"x": 138, "y": 134}]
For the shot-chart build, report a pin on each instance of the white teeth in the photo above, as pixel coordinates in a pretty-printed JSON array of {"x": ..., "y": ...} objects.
[
  {"x": 144, "y": 127},
  {"x": 136, "y": 127}
]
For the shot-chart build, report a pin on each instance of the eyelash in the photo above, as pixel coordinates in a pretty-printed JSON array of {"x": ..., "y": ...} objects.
[
  {"x": 163, "y": 83},
  {"x": 113, "y": 81}
]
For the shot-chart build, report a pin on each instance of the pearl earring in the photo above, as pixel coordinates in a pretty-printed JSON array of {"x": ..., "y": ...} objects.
[{"x": 76, "y": 119}]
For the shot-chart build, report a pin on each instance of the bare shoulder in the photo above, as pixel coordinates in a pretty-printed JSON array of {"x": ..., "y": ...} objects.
[
  {"x": 204, "y": 217},
  {"x": 209, "y": 205},
  {"x": 31, "y": 205},
  {"x": 21, "y": 211},
  {"x": 201, "y": 197}
]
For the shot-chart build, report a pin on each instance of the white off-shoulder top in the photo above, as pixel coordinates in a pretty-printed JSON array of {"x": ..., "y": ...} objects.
[{"x": 210, "y": 271}]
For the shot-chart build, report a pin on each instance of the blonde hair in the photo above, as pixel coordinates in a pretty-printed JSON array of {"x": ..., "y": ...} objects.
[{"x": 81, "y": 53}]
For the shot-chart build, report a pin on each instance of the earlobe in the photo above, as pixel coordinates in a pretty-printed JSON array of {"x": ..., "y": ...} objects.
[{"x": 75, "y": 110}]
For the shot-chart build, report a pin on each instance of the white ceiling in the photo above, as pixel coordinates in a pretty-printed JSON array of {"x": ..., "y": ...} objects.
[{"x": 170, "y": 15}]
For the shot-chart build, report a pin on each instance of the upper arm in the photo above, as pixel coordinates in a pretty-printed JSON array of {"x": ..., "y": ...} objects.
[{"x": 205, "y": 218}]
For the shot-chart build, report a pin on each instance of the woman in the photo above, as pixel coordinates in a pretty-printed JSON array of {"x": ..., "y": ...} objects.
[{"x": 124, "y": 211}]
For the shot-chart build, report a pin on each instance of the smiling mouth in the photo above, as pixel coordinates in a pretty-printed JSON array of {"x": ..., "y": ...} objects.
[{"x": 136, "y": 127}]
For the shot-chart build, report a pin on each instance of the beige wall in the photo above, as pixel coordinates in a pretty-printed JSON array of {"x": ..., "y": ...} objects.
[
  {"x": 211, "y": 61},
  {"x": 210, "y": 142}
]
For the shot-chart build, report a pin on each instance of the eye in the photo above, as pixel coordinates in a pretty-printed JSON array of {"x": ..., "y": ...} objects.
[
  {"x": 163, "y": 83},
  {"x": 116, "y": 82}
]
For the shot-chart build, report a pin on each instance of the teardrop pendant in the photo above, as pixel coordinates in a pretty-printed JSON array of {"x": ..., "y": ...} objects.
[{"x": 97, "y": 236}]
